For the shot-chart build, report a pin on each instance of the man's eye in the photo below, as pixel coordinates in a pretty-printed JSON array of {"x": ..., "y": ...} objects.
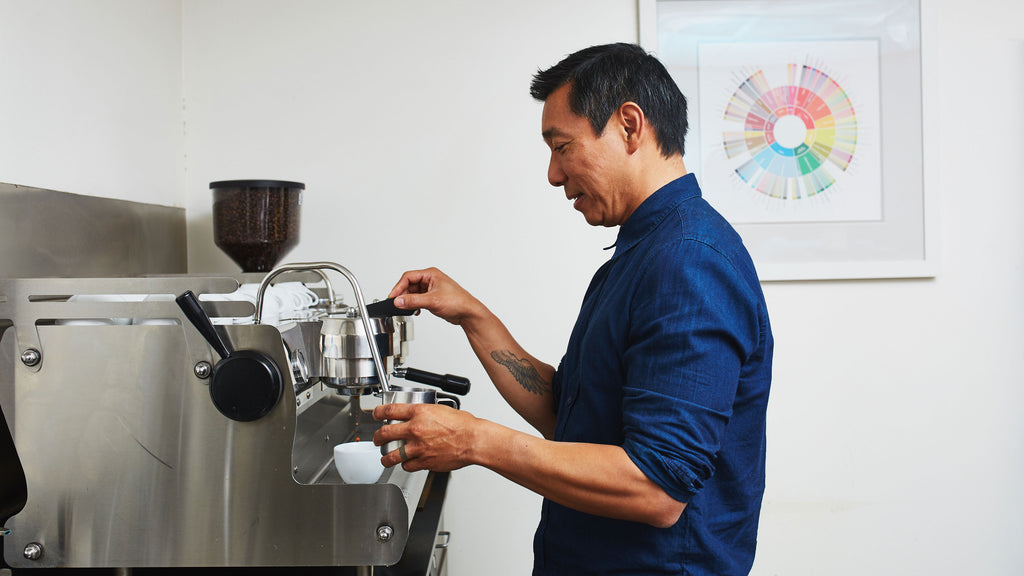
[{"x": 561, "y": 147}]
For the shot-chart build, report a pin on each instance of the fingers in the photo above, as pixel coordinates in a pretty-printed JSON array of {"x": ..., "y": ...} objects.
[
  {"x": 398, "y": 431},
  {"x": 394, "y": 411},
  {"x": 406, "y": 453},
  {"x": 396, "y": 457},
  {"x": 414, "y": 281},
  {"x": 391, "y": 433},
  {"x": 406, "y": 456},
  {"x": 432, "y": 290},
  {"x": 413, "y": 301},
  {"x": 401, "y": 287}
]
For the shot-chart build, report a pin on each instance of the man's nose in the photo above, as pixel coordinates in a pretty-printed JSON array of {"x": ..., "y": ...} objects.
[{"x": 555, "y": 175}]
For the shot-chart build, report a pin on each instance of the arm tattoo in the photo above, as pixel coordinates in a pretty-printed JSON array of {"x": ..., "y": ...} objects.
[{"x": 522, "y": 371}]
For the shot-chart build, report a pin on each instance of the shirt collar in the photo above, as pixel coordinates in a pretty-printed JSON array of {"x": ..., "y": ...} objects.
[{"x": 653, "y": 210}]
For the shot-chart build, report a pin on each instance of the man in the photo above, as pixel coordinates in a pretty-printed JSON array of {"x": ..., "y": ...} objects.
[{"x": 652, "y": 456}]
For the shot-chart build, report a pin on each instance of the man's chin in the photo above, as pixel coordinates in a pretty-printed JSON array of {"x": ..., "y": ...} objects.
[{"x": 596, "y": 221}]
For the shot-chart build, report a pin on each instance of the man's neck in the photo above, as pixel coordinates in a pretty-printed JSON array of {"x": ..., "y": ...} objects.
[{"x": 661, "y": 172}]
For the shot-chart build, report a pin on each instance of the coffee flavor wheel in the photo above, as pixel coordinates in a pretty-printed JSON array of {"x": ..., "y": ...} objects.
[{"x": 795, "y": 137}]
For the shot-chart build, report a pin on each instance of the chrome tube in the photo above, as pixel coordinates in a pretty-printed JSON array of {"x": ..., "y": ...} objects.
[{"x": 378, "y": 362}]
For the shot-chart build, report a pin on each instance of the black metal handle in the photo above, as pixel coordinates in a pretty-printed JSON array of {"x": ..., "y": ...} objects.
[
  {"x": 447, "y": 382},
  {"x": 386, "y": 308},
  {"x": 193, "y": 310}
]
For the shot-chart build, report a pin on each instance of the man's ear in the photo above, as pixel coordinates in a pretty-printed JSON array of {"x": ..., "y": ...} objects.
[{"x": 633, "y": 124}]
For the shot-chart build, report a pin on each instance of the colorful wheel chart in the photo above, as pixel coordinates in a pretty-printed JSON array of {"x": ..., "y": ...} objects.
[{"x": 795, "y": 137}]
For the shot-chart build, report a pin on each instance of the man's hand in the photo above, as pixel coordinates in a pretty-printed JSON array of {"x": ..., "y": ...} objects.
[
  {"x": 523, "y": 380},
  {"x": 434, "y": 291},
  {"x": 437, "y": 437}
]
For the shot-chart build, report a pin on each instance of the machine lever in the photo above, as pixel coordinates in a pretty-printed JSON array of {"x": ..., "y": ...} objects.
[{"x": 193, "y": 310}]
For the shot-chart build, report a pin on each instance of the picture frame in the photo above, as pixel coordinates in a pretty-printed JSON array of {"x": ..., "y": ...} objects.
[{"x": 839, "y": 194}]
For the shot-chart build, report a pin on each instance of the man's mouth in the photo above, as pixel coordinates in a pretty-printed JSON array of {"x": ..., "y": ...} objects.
[{"x": 575, "y": 199}]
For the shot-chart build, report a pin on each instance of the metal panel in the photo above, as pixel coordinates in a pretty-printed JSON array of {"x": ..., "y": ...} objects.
[{"x": 50, "y": 233}]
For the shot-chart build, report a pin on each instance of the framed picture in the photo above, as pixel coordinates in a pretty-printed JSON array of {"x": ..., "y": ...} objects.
[{"x": 806, "y": 129}]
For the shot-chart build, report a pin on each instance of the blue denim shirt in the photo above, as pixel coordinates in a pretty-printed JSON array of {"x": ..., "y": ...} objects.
[{"x": 670, "y": 359}]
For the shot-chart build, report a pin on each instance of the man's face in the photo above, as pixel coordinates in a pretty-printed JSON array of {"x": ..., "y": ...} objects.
[{"x": 589, "y": 168}]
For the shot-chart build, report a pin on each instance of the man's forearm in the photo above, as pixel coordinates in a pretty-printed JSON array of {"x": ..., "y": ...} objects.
[
  {"x": 593, "y": 478},
  {"x": 521, "y": 379}
]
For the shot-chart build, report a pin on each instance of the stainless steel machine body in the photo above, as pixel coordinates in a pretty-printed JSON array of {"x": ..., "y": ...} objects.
[
  {"x": 112, "y": 453},
  {"x": 128, "y": 463}
]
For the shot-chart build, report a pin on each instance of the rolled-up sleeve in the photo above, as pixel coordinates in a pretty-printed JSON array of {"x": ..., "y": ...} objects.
[{"x": 693, "y": 322}]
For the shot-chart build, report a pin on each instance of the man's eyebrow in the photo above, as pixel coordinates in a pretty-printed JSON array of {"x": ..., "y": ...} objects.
[{"x": 551, "y": 133}]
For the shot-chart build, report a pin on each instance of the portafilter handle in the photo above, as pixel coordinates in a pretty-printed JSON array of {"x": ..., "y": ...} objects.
[{"x": 447, "y": 382}]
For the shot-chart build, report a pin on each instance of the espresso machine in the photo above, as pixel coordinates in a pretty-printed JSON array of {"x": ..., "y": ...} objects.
[{"x": 162, "y": 422}]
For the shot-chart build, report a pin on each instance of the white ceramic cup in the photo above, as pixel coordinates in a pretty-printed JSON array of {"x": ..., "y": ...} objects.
[{"x": 358, "y": 462}]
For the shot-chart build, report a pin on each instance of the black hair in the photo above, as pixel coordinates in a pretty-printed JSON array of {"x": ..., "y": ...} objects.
[{"x": 602, "y": 78}]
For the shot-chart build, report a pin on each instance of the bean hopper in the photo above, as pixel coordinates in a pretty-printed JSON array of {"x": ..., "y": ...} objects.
[{"x": 256, "y": 222}]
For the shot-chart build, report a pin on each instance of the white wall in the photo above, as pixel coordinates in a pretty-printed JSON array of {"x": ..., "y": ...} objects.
[
  {"x": 90, "y": 98},
  {"x": 895, "y": 429}
]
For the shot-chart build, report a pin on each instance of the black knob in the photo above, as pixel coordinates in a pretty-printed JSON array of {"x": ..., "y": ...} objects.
[{"x": 246, "y": 384}]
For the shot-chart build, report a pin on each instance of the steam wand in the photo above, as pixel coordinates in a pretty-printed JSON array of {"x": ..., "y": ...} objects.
[{"x": 378, "y": 362}]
